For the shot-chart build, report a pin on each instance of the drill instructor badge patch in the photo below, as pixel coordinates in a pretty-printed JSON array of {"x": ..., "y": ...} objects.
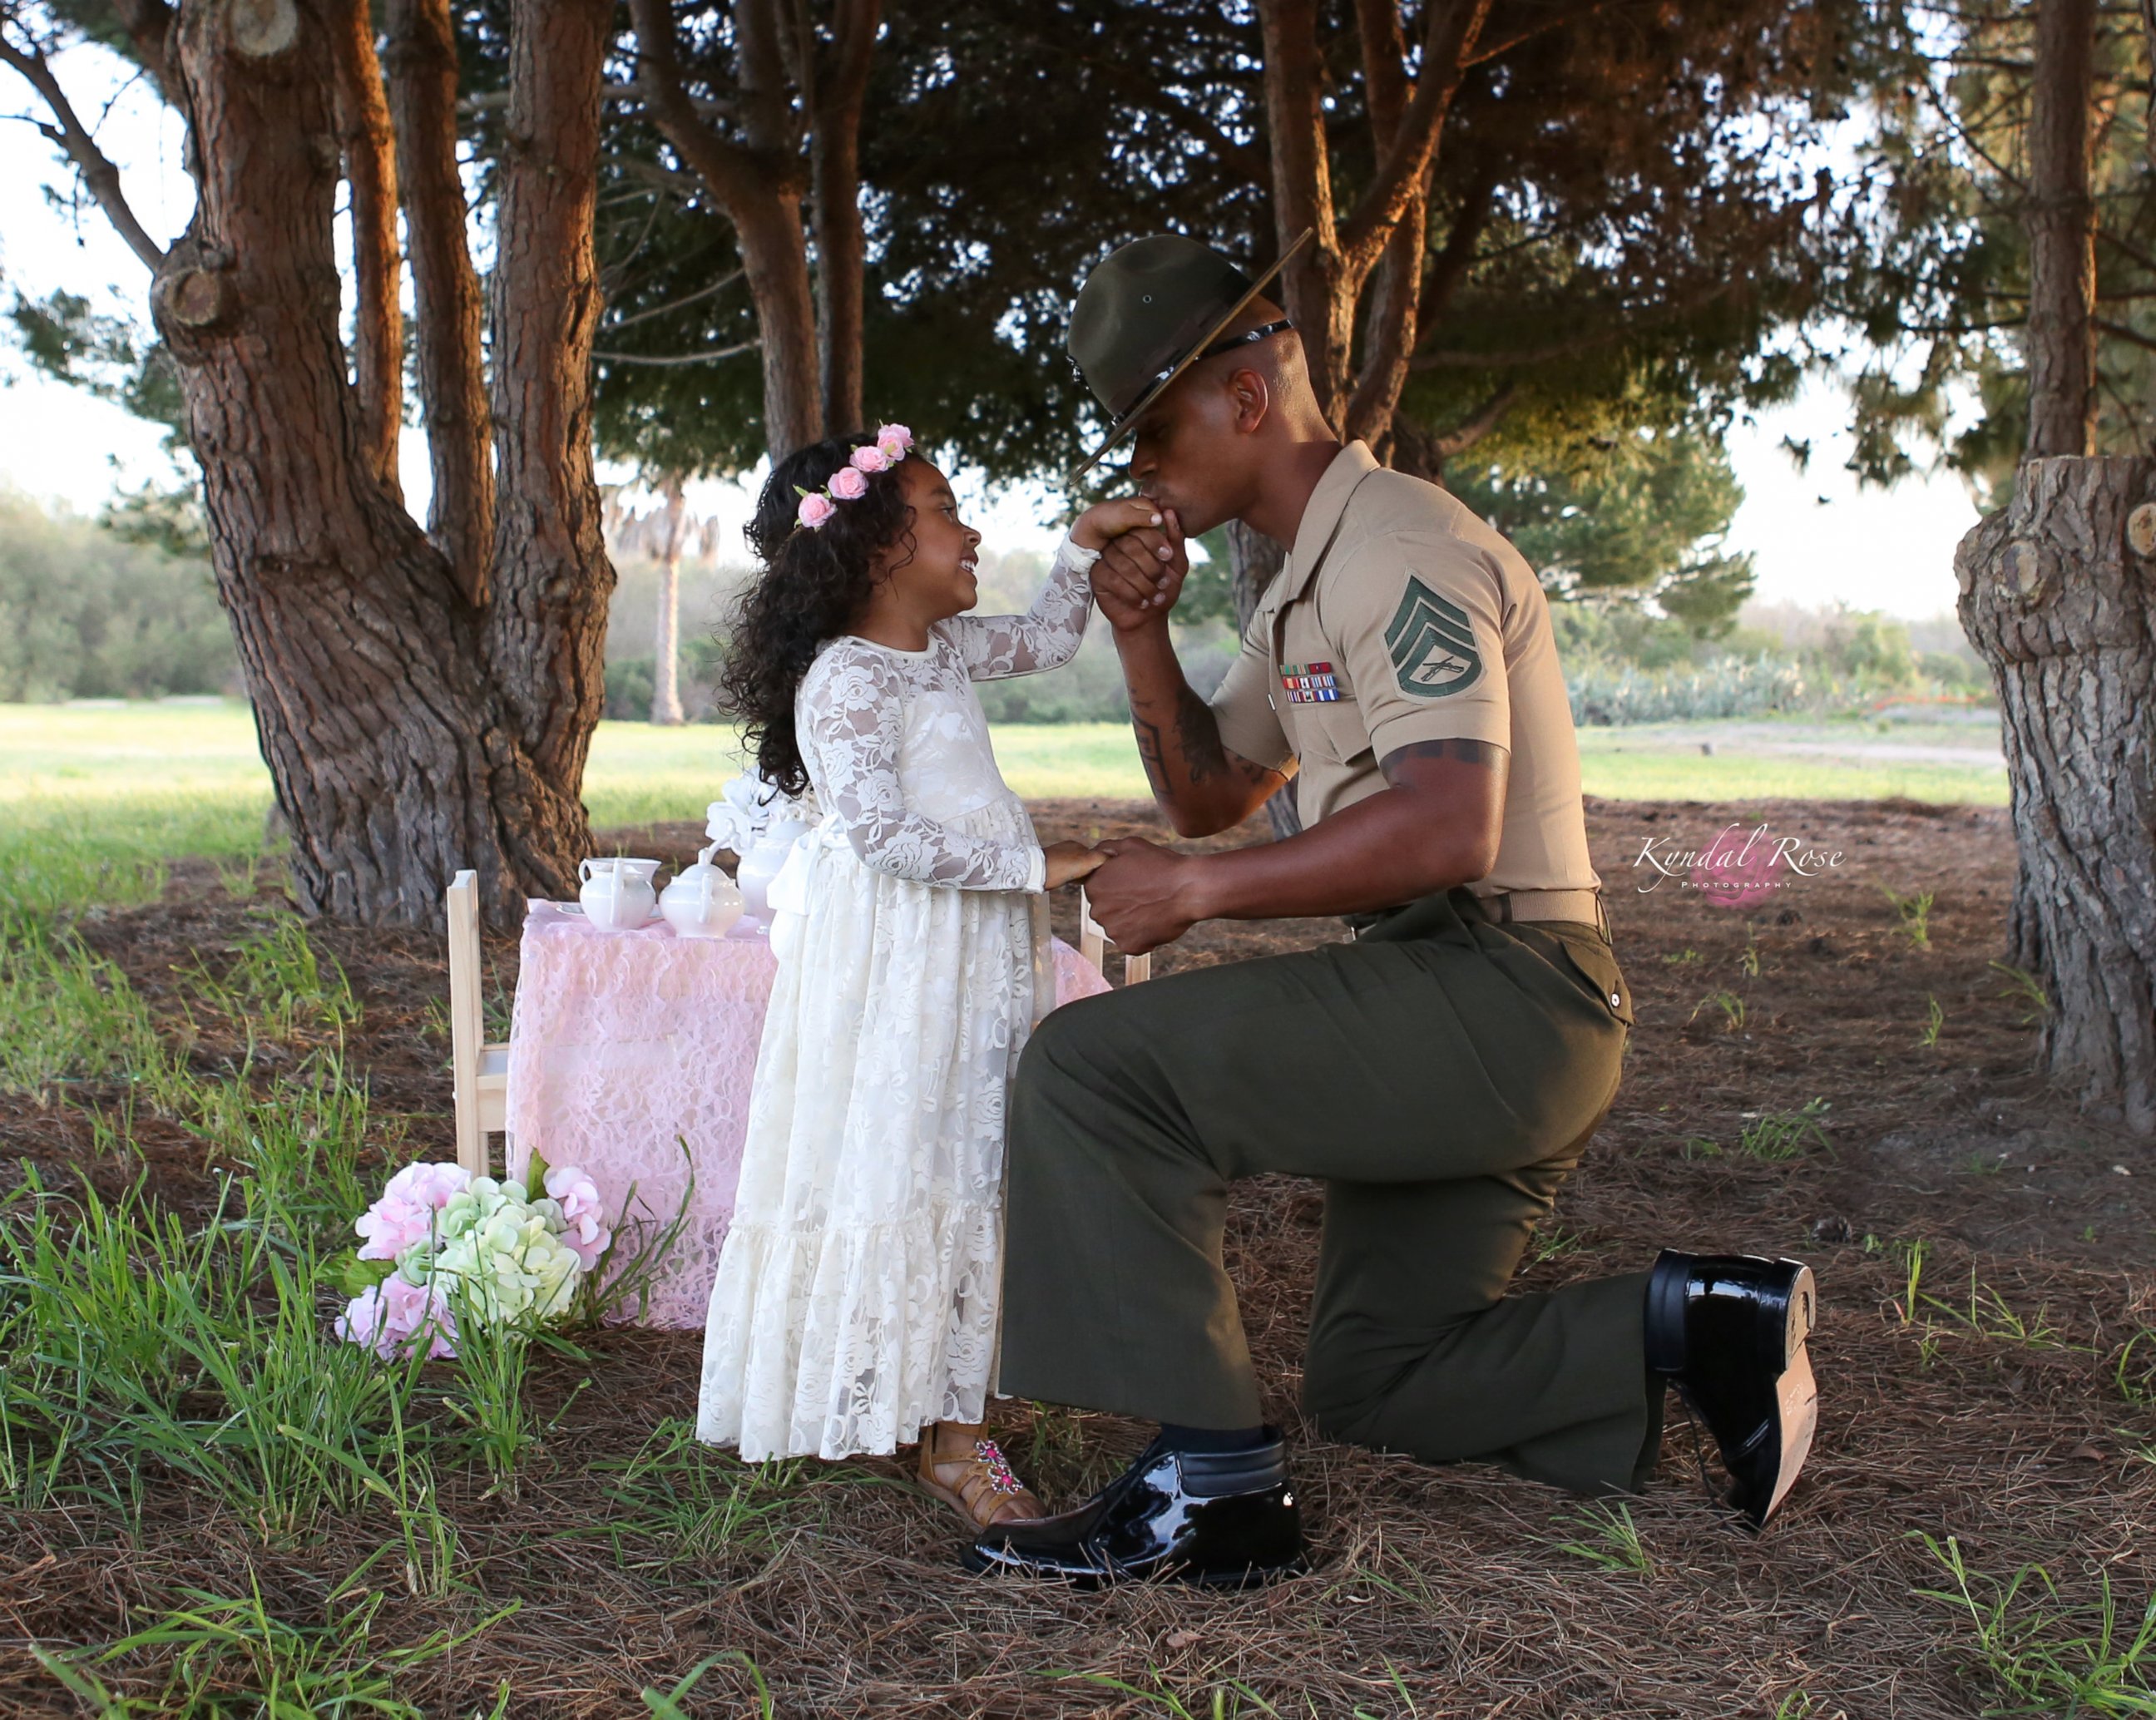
[{"x": 1432, "y": 643}]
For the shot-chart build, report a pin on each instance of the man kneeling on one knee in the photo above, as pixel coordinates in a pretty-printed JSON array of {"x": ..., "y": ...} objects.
[{"x": 1443, "y": 1073}]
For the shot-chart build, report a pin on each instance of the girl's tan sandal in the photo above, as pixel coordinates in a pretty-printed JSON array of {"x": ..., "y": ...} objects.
[{"x": 977, "y": 1483}]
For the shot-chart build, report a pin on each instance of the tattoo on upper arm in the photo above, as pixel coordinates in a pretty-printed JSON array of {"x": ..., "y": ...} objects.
[{"x": 1486, "y": 754}]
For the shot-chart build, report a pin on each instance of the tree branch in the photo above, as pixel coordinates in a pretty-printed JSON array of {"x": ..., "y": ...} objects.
[
  {"x": 1481, "y": 423},
  {"x": 148, "y": 24},
  {"x": 1455, "y": 26},
  {"x": 835, "y": 166},
  {"x": 370, "y": 168},
  {"x": 667, "y": 360},
  {"x": 422, "y": 63},
  {"x": 96, "y": 168},
  {"x": 729, "y": 170},
  {"x": 672, "y": 304}
]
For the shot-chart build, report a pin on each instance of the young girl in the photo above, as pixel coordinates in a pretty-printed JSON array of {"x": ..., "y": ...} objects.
[{"x": 856, "y": 1304}]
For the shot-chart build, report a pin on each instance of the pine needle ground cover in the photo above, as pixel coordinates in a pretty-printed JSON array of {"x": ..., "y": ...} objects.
[{"x": 212, "y": 1508}]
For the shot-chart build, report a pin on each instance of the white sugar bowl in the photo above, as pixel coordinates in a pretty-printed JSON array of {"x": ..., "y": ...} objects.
[
  {"x": 616, "y": 894},
  {"x": 701, "y": 901}
]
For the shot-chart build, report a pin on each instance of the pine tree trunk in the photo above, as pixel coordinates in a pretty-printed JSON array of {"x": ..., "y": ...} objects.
[
  {"x": 2061, "y": 218},
  {"x": 1254, "y": 560},
  {"x": 2056, "y": 594},
  {"x": 666, "y": 673},
  {"x": 396, "y": 755}
]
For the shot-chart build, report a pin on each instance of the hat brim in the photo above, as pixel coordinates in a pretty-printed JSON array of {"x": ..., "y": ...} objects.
[{"x": 1122, "y": 427}]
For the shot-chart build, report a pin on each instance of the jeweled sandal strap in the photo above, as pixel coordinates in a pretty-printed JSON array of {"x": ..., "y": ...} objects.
[{"x": 991, "y": 1457}]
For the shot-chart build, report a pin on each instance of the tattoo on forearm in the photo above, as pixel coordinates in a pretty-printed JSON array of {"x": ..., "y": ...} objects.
[
  {"x": 1204, "y": 758},
  {"x": 1149, "y": 752},
  {"x": 1199, "y": 736}
]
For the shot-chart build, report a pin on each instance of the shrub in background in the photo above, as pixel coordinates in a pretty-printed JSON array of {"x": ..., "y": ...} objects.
[{"x": 86, "y": 613}]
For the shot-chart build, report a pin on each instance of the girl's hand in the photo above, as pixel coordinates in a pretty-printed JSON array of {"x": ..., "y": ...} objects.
[
  {"x": 1139, "y": 574},
  {"x": 1112, "y": 519},
  {"x": 1070, "y": 861}
]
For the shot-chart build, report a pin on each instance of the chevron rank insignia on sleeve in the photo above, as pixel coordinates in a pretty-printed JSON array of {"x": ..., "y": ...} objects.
[{"x": 1432, "y": 643}]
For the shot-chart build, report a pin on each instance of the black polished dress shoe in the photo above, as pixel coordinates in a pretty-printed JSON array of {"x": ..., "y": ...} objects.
[
  {"x": 1728, "y": 1331},
  {"x": 1221, "y": 1518}
]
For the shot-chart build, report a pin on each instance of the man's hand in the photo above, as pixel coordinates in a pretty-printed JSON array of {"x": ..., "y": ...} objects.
[
  {"x": 1070, "y": 861},
  {"x": 1140, "y": 896},
  {"x": 1141, "y": 572}
]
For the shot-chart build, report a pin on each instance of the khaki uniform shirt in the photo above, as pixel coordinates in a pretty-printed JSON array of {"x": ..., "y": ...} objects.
[{"x": 1397, "y": 617}]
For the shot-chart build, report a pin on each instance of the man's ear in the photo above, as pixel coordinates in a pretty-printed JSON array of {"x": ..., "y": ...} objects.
[{"x": 1251, "y": 398}]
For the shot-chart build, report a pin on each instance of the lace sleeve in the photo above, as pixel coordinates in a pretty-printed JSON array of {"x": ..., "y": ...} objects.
[
  {"x": 853, "y": 711},
  {"x": 1047, "y": 636}
]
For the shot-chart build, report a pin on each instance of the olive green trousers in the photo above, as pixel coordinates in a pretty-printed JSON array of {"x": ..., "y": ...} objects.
[{"x": 1443, "y": 1075}]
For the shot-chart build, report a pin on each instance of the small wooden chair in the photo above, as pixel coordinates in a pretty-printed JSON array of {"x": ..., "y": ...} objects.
[
  {"x": 479, "y": 1072},
  {"x": 1093, "y": 946}
]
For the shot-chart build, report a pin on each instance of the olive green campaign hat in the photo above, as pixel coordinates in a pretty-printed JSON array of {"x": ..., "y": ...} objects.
[{"x": 1147, "y": 312}]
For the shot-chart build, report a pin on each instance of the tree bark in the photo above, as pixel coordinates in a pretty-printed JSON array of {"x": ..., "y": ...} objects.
[
  {"x": 666, "y": 672},
  {"x": 1254, "y": 561},
  {"x": 546, "y": 626},
  {"x": 2056, "y": 593},
  {"x": 369, "y": 169},
  {"x": 396, "y": 759},
  {"x": 2061, "y": 224},
  {"x": 834, "y": 161},
  {"x": 421, "y": 60}
]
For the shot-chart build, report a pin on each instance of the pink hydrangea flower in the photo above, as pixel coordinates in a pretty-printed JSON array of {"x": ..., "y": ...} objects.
[
  {"x": 849, "y": 484},
  {"x": 405, "y": 1213},
  {"x": 814, "y": 511},
  {"x": 586, "y": 1234},
  {"x": 871, "y": 459},
  {"x": 389, "y": 1317},
  {"x": 894, "y": 440}
]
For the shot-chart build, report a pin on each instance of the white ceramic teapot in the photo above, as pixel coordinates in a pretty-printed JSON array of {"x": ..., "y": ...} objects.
[
  {"x": 701, "y": 901},
  {"x": 616, "y": 893},
  {"x": 760, "y": 864}
]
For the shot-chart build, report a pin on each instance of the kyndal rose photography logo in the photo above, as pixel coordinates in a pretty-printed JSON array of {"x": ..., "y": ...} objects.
[{"x": 1737, "y": 869}]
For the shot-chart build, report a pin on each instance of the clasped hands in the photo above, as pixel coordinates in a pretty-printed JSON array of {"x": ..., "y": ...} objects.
[{"x": 1142, "y": 895}]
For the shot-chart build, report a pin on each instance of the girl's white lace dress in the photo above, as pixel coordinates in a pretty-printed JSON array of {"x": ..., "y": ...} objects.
[{"x": 858, "y": 1291}]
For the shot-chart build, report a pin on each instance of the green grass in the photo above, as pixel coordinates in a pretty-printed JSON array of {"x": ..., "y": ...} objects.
[{"x": 135, "y": 786}]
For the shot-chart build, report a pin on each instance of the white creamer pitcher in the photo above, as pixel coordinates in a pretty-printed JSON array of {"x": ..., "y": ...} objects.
[
  {"x": 760, "y": 864},
  {"x": 616, "y": 893},
  {"x": 701, "y": 901}
]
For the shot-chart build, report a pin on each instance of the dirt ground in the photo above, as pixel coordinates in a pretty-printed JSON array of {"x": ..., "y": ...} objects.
[{"x": 2002, "y": 1412}]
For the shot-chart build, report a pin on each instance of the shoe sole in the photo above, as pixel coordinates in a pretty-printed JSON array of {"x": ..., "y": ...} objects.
[{"x": 1796, "y": 1391}]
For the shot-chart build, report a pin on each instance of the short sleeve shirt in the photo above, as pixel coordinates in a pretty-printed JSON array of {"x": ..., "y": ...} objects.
[{"x": 1399, "y": 616}]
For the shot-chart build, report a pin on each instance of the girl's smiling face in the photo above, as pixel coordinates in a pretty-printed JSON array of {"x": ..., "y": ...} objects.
[{"x": 929, "y": 571}]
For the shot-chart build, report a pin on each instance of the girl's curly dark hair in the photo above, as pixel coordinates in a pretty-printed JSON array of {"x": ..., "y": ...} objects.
[{"x": 813, "y": 584}]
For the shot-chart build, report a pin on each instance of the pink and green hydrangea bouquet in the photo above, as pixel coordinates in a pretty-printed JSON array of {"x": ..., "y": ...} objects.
[{"x": 440, "y": 1233}]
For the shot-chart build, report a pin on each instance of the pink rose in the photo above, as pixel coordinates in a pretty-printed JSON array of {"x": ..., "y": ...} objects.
[
  {"x": 814, "y": 511},
  {"x": 587, "y": 1235},
  {"x": 871, "y": 459},
  {"x": 388, "y": 1317},
  {"x": 894, "y": 440},
  {"x": 405, "y": 1213},
  {"x": 849, "y": 484}
]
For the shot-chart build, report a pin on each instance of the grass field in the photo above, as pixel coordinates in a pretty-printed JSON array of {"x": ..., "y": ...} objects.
[{"x": 179, "y": 779}]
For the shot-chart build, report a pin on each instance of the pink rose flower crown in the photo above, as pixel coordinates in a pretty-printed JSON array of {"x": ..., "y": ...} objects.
[{"x": 850, "y": 482}]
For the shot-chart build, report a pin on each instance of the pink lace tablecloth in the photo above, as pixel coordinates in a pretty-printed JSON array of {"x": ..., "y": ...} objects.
[{"x": 625, "y": 1045}]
